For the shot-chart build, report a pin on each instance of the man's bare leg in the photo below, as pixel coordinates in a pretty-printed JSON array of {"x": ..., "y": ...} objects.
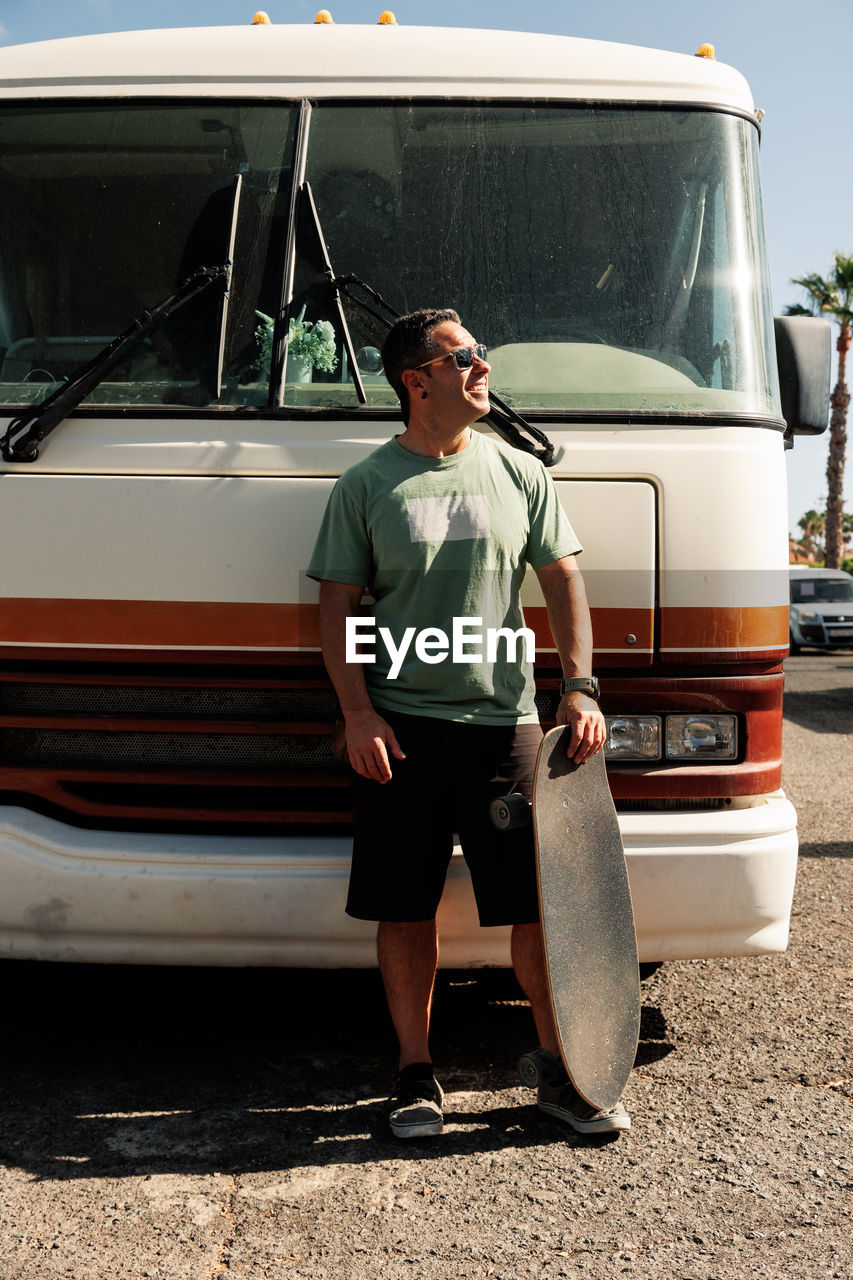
[
  {"x": 528, "y": 960},
  {"x": 408, "y": 959}
]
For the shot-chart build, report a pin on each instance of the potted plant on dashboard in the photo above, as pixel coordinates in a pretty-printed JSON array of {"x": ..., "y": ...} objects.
[{"x": 310, "y": 345}]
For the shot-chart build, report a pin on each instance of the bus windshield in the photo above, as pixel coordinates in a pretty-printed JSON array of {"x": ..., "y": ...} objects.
[
  {"x": 105, "y": 209},
  {"x": 610, "y": 258}
]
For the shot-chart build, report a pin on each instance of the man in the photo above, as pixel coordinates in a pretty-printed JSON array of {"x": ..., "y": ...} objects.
[{"x": 438, "y": 525}]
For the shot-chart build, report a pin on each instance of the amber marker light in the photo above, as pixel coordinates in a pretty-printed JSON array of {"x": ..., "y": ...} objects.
[
  {"x": 324, "y": 16},
  {"x": 261, "y": 19},
  {"x": 706, "y": 51},
  {"x": 387, "y": 19}
]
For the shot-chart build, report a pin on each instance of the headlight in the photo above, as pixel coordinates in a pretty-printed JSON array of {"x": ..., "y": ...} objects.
[
  {"x": 805, "y": 615},
  {"x": 701, "y": 737},
  {"x": 633, "y": 737}
]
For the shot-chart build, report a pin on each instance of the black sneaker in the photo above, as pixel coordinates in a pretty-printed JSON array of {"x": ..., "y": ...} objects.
[
  {"x": 415, "y": 1111},
  {"x": 558, "y": 1097}
]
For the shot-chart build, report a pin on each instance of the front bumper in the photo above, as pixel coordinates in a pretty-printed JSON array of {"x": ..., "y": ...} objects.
[
  {"x": 704, "y": 884},
  {"x": 824, "y": 632}
]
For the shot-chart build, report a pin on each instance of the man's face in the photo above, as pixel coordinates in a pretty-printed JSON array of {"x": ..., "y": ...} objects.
[{"x": 462, "y": 393}]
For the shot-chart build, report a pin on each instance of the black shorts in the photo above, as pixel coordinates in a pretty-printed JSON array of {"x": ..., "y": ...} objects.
[{"x": 404, "y": 828}]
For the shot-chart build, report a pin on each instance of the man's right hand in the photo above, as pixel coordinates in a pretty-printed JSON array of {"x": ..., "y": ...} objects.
[{"x": 370, "y": 743}]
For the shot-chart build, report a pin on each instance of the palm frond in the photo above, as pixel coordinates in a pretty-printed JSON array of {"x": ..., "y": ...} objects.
[
  {"x": 797, "y": 309},
  {"x": 831, "y": 295}
]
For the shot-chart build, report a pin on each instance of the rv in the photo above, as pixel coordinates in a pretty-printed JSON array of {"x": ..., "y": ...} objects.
[{"x": 202, "y": 235}]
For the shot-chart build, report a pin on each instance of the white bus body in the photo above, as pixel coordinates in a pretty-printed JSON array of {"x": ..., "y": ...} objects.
[{"x": 167, "y": 789}]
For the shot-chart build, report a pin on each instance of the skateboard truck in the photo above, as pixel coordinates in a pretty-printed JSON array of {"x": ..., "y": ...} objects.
[
  {"x": 539, "y": 1067},
  {"x": 509, "y": 812}
]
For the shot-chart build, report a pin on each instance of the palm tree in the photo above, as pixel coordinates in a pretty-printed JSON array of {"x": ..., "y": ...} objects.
[
  {"x": 833, "y": 297},
  {"x": 813, "y": 526}
]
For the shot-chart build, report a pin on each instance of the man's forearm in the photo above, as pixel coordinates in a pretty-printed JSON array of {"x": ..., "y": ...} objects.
[
  {"x": 569, "y": 618},
  {"x": 370, "y": 740},
  {"x": 571, "y": 627},
  {"x": 347, "y": 677}
]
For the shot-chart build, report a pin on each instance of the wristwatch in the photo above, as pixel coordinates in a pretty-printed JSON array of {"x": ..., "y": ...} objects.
[{"x": 583, "y": 684}]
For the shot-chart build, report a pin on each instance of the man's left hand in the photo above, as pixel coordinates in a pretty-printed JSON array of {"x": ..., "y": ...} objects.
[{"x": 582, "y": 715}]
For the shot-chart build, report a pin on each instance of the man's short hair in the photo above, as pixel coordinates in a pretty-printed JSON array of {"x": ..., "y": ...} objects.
[{"x": 410, "y": 343}]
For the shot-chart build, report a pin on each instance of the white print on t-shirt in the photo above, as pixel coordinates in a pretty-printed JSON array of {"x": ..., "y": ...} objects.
[
  {"x": 449, "y": 519},
  {"x": 433, "y": 645}
]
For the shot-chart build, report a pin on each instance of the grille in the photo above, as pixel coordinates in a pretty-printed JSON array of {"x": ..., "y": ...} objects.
[
  {"x": 74, "y": 747},
  {"x": 112, "y": 700},
  {"x": 674, "y": 805},
  {"x": 272, "y": 802},
  {"x": 547, "y": 702},
  {"x": 168, "y": 748}
]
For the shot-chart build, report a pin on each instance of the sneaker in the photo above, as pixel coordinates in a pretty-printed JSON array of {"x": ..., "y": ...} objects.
[
  {"x": 559, "y": 1098},
  {"x": 415, "y": 1111}
]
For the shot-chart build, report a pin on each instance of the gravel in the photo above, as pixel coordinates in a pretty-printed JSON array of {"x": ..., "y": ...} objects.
[{"x": 227, "y": 1125}]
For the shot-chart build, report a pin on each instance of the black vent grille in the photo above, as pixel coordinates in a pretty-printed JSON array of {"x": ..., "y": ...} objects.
[
  {"x": 171, "y": 748},
  {"x": 120, "y": 750},
  {"x": 115, "y": 700}
]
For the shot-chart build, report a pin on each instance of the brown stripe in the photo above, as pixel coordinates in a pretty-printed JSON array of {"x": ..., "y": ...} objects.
[
  {"x": 717, "y": 627},
  {"x": 99, "y": 623},
  {"x": 207, "y": 625},
  {"x": 610, "y": 628},
  {"x": 175, "y": 623}
]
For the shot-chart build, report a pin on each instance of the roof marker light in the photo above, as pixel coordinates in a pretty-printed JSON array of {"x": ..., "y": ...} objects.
[
  {"x": 324, "y": 16},
  {"x": 387, "y": 19},
  {"x": 706, "y": 51},
  {"x": 261, "y": 19}
]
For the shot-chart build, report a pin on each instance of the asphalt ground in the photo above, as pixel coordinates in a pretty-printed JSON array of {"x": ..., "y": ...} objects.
[{"x": 198, "y": 1125}]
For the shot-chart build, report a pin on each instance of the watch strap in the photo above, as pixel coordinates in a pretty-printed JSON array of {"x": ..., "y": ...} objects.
[{"x": 582, "y": 684}]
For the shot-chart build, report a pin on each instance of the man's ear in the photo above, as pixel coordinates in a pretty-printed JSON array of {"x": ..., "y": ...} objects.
[{"x": 414, "y": 380}]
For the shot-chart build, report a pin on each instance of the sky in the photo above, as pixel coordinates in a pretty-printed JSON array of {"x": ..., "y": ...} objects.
[{"x": 794, "y": 56}]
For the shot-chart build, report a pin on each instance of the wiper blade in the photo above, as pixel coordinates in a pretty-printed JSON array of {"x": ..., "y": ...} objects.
[
  {"x": 25, "y": 433},
  {"x": 226, "y": 293},
  {"x": 308, "y": 195},
  {"x": 503, "y": 420}
]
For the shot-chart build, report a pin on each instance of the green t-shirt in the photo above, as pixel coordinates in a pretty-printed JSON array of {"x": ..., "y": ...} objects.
[{"x": 436, "y": 540}]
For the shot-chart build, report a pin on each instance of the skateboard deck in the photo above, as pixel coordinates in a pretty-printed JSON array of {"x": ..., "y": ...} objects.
[{"x": 587, "y": 921}]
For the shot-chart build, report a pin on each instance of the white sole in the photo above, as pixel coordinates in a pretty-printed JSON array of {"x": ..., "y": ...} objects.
[
  {"x": 427, "y": 1129},
  {"x": 606, "y": 1124}
]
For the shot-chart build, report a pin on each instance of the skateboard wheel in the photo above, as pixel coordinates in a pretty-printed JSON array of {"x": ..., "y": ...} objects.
[
  {"x": 528, "y": 1070},
  {"x": 508, "y": 812}
]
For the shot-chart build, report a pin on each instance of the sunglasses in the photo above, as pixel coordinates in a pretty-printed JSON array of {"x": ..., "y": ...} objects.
[{"x": 464, "y": 357}]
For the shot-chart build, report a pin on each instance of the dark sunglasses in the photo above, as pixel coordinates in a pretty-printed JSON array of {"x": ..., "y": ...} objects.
[{"x": 464, "y": 357}]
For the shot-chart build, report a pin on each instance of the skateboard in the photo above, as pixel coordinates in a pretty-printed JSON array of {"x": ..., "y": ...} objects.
[{"x": 587, "y": 921}]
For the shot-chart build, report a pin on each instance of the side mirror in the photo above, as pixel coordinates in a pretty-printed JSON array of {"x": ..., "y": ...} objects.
[{"x": 804, "y": 357}]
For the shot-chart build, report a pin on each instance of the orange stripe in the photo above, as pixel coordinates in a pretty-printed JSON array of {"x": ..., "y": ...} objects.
[
  {"x": 610, "y": 628},
  {"x": 716, "y": 627},
  {"x": 180, "y": 623},
  {"x": 207, "y": 625},
  {"x": 171, "y": 623}
]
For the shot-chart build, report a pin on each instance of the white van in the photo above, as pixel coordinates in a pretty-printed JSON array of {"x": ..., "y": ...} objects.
[{"x": 821, "y": 612}]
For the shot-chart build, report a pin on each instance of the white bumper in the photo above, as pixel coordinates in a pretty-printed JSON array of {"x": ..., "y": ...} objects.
[{"x": 704, "y": 884}]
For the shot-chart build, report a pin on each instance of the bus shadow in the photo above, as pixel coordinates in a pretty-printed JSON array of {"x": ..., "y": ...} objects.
[
  {"x": 827, "y": 711},
  {"x": 827, "y": 849},
  {"x": 115, "y": 1071}
]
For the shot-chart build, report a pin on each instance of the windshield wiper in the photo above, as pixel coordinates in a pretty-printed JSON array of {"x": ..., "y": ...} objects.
[
  {"x": 25, "y": 433},
  {"x": 503, "y": 420},
  {"x": 308, "y": 195}
]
